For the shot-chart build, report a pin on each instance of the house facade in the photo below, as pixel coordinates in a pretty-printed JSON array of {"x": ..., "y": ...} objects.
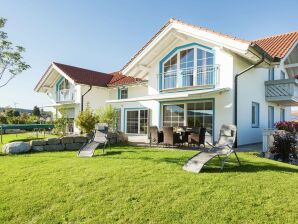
[{"x": 186, "y": 76}]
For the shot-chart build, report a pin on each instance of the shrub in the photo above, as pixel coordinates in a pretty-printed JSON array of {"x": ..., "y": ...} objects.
[
  {"x": 107, "y": 115},
  {"x": 3, "y": 119},
  {"x": 290, "y": 126},
  {"x": 60, "y": 125},
  {"x": 86, "y": 120},
  {"x": 284, "y": 145}
]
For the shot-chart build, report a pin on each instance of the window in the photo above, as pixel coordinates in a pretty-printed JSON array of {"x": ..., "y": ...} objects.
[
  {"x": 189, "y": 67},
  {"x": 200, "y": 114},
  {"x": 271, "y": 73},
  {"x": 123, "y": 93},
  {"x": 270, "y": 117},
  {"x": 282, "y": 114},
  {"x": 173, "y": 115},
  {"x": 118, "y": 119},
  {"x": 170, "y": 73},
  {"x": 205, "y": 63},
  {"x": 282, "y": 75},
  {"x": 137, "y": 121},
  {"x": 255, "y": 111}
]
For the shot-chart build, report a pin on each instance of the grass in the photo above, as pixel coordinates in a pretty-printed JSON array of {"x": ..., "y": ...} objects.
[{"x": 140, "y": 185}]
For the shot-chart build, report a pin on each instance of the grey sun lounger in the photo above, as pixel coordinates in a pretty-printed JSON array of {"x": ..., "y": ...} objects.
[
  {"x": 224, "y": 147},
  {"x": 99, "y": 138}
]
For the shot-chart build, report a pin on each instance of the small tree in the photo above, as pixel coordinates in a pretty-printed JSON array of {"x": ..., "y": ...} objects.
[
  {"x": 86, "y": 120},
  {"x": 60, "y": 125},
  {"x": 36, "y": 111},
  {"x": 11, "y": 59},
  {"x": 107, "y": 115},
  {"x": 16, "y": 113},
  {"x": 3, "y": 119}
]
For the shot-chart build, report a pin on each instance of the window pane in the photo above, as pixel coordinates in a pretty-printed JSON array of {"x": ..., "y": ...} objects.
[
  {"x": 143, "y": 121},
  {"x": 187, "y": 67},
  {"x": 132, "y": 122},
  {"x": 170, "y": 73},
  {"x": 173, "y": 115},
  {"x": 205, "y": 70}
]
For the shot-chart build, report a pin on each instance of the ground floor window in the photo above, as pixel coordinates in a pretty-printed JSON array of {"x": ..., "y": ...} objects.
[
  {"x": 173, "y": 115},
  {"x": 255, "y": 111},
  {"x": 270, "y": 117},
  {"x": 282, "y": 114},
  {"x": 190, "y": 114},
  {"x": 137, "y": 121}
]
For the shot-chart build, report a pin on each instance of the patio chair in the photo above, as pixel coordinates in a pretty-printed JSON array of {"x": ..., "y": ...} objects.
[
  {"x": 197, "y": 137},
  {"x": 155, "y": 136},
  {"x": 100, "y": 137},
  {"x": 170, "y": 138},
  {"x": 224, "y": 147}
]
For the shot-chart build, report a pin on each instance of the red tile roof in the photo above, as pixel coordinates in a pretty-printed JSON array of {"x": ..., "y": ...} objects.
[
  {"x": 85, "y": 76},
  {"x": 89, "y": 77},
  {"x": 120, "y": 79},
  {"x": 277, "y": 46}
]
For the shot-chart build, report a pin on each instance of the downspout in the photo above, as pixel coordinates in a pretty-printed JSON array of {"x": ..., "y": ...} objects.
[
  {"x": 236, "y": 92},
  {"x": 82, "y": 98}
]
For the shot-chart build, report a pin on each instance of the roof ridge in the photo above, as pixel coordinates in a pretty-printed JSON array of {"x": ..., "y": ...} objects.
[
  {"x": 172, "y": 20},
  {"x": 275, "y": 35}
]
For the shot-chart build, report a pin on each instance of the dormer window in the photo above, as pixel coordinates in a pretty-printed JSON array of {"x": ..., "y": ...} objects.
[
  {"x": 192, "y": 66},
  {"x": 123, "y": 93}
]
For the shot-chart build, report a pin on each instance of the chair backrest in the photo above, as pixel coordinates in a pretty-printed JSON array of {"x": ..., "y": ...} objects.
[
  {"x": 99, "y": 136},
  {"x": 202, "y": 135},
  {"x": 100, "y": 133},
  {"x": 227, "y": 136},
  {"x": 168, "y": 135},
  {"x": 153, "y": 130}
]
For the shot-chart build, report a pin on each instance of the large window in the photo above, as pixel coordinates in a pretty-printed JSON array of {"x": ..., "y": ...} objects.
[
  {"x": 255, "y": 113},
  {"x": 137, "y": 121},
  {"x": 200, "y": 114},
  {"x": 173, "y": 115},
  {"x": 189, "y": 67}
]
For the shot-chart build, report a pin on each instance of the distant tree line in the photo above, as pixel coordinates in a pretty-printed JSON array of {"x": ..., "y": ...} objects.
[{"x": 13, "y": 116}]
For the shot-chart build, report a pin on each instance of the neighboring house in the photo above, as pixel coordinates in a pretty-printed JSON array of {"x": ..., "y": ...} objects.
[{"x": 185, "y": 76}]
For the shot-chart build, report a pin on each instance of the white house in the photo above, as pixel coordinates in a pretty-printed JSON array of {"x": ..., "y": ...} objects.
[{"x": 187, "y": 75}]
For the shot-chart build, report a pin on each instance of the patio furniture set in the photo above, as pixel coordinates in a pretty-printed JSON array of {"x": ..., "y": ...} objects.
[{"x": 170, "y": 136}]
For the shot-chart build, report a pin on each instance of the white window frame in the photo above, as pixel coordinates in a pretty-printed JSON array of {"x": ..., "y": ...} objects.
[
  {"x": 139, "y": 120},
  {"x": 178, "y": 65},
  {"x": 255, "y": 124}
]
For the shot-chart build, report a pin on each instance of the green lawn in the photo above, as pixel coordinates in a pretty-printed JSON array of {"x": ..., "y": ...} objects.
[{"x": 142, "y": 185}]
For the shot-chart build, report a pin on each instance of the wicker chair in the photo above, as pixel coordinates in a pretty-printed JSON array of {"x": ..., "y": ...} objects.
[
  {"x": 197, "y": 138},
  {"x": 170, "y": 137},
  {"x": 155, "y": 136}
]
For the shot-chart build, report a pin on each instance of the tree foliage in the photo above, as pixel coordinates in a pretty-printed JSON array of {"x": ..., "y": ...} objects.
[
  {"x": 11, "y": 59},
  {"x": 107, "y": 115},
  {"x": 86, "y": 120},
  {"x": 36, "y": 111}
]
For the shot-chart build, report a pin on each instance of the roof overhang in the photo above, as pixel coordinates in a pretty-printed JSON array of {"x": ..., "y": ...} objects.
[
  {"x": 173, "y": 96},
  {"x": 50, "y": 77},
  {"x": 178, "y": 30}
]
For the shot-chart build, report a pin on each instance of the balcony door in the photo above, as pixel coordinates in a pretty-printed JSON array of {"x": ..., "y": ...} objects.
[{"x": 137, "y": 121}]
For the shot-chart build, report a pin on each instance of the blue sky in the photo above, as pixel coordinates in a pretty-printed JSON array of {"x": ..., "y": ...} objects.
[{"x": 104, "y": 35}]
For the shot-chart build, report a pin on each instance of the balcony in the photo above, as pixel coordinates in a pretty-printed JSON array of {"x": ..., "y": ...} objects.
[
  {"x": 202, "y": 77},
  {"x": 283, "y": 92},
  {"x": 66, "y": 95}
]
